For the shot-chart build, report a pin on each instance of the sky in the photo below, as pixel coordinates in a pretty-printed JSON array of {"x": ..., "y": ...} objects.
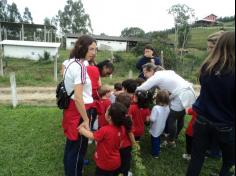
[{"x": 112, "y": 16}]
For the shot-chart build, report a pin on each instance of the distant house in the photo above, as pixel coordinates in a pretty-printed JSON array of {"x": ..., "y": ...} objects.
[
  {"x": 104, "y": 42},
  {"x": 29, "y": 49},
  {"x": 207, "y": 21}
]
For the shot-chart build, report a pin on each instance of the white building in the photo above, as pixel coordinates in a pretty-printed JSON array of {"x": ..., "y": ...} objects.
[
  {"x": 28, "y": 49},
  {"x": 107, "y": 42}
]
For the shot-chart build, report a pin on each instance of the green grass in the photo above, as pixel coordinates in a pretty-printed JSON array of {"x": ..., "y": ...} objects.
[
  {"x": 32, "y": 143},
  {"x": 199, "y": 36},
  {"x": 34, "y": 73}
]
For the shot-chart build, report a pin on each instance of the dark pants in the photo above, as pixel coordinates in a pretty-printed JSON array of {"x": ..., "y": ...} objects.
[
  {"x": 74, "y": 156},
  {"x": 156, "y": 141},
  {"x": 100, "y": 172},
  {"x": 93, "y": 117},
  {"x": 126, "y": 156},
  {"x": 175, "y": 123},
  {"x": 203, "y": 131},
  {"x": 189, "y": 140}
]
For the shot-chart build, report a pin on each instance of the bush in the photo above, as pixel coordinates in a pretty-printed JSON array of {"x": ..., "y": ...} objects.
[{"x": 45, "y": 58}]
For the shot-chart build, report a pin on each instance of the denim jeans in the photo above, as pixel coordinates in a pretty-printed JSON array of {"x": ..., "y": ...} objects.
[{"x": 203, "y": 132}]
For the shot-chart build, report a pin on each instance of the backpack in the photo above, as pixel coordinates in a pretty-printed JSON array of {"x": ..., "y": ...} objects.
[{"x": 62, "y": 98}]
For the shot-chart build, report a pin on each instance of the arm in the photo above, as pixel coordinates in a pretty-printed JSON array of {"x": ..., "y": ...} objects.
[
  {"x": 79, "y": 102},
  {"x": 157, "y": 61},
  {"x": 62, "y": 69},
  {"x": 86, "y": 132},
  {"x": 150, "y": 83},
  {"x": 132, "y": 138},
  {"x": 139, "y": 64}
]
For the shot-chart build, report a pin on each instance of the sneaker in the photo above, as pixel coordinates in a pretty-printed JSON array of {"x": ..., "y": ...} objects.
[
  {"x": 130, "y": 174},
  {"x": 163, "y": 144},
  {"x": 90, "y": 141},
  {"x": 172, "y": 144},
  {"x": 186, "y": 156}
]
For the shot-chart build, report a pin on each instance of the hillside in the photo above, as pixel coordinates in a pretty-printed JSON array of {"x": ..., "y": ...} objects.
[{"x": 200, "y": 34}]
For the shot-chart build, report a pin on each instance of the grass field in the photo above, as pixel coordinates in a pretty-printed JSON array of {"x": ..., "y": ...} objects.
[
  {"x": 199, "y": 36},
  {"x": 34, "y": 73},
  {"x": 32, "y": 143}
]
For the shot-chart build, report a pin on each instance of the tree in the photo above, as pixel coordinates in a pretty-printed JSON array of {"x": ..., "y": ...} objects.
[
  {"x": 74, "y": 19},
  {"x": 13, "y": 13},
  {"x": 182, "y": 16},
  {"x": 27, "y": 17},
  {"x": 3, "y": 10},
  {"x": 132, "y": 32}
]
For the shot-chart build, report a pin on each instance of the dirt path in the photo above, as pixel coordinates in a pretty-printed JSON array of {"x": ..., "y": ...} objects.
[{"x": 43, "y": 96}]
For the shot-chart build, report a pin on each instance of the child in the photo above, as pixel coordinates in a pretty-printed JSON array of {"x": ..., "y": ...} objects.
[
  {"x": 117, "y": 91},
  {"x": 158, "y": 118},
  {"x": 102, "y": 105},
  {"x": 129, "y": 86},
  {"x": 127, "y": 142},
  {"x": 189, "y": 134},
  {"x": 108, "y": 138},
  {"x": 139, "y": 113}
]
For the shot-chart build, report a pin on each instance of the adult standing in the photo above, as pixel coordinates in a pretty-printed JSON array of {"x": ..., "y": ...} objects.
[
  {"x": 216, "y": 106},
  {"x": 76, "y": 79},
  {"x": 95, "y": 72},
  {"x": 181, "y": 92},
  {"x": 149, "y": 56}
]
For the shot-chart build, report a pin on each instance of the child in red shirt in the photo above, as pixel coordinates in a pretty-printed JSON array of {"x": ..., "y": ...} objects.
[
  {"x": 109, "y": 140},
  {"x": 127, "y": 142},
  {"x": 102, "y": 105},
  {"x": 139, "y": 113},
  {"x": 189, "y": 134}
]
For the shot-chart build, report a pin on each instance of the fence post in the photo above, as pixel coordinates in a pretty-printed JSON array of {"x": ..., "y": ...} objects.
[
  {"x": 130, "y": 74},
  {"x": 55, "y": 67},
  {"x": 162, "y": 59},
  {"x": 13, "y": 89},
  {"x": 1, "y": 61}
]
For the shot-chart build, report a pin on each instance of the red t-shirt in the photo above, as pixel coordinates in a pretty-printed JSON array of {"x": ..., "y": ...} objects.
[
  {"x": 126, "y": 142},
  {"x": 189, "y": 130},
  {"x": 139, "y": 117},
  {"x": 102, "y": 106},
  {"x": 94, "y": 76},
  {"x": 107, "y": 155}
]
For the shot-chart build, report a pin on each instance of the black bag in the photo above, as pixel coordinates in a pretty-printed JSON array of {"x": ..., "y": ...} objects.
[{"x": 62, "y": 98}]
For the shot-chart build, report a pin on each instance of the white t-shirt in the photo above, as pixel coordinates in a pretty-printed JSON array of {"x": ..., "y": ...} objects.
[
  {"x": 76, "y": 73},
  {"x": 175, "y": 84},
  {"x": 158, "y": 118}
]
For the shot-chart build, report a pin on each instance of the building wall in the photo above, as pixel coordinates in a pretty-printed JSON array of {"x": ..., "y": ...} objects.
[
  {"x": 102, "y": 45},
  {"x": 28, "y": 52}
]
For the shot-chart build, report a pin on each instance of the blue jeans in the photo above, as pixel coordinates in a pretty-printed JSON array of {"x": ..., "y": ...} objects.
[
  {"x": 156, "y": 141},
  {"x": 203, "y": 132}
]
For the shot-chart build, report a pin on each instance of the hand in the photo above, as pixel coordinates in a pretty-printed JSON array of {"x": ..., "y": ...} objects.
[
  {"x": 85, "y": 124},
  {"x": 153, "y": 61}
]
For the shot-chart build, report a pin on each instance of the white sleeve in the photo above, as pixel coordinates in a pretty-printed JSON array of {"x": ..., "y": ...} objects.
[
  {"x": 150, "y": 83},
  {"x": 154, "y": 114},
  {"x": 79, "y": 73}
]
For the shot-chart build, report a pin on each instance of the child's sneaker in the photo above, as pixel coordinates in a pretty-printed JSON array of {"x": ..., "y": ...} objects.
[
  {"x": 172, "y": 144},
  {"x": 186, "y": 156},
  {"x": 90, "y": 141},
  {"x": 163, "y": 144},
  {"x": 130, "y": 174}
]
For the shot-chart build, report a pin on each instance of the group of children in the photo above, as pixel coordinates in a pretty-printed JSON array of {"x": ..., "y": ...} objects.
[{"x": 121, "y": 118}]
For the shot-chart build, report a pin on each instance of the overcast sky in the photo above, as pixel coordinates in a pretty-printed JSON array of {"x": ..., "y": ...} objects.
[{"x": 112, "y": 16}]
